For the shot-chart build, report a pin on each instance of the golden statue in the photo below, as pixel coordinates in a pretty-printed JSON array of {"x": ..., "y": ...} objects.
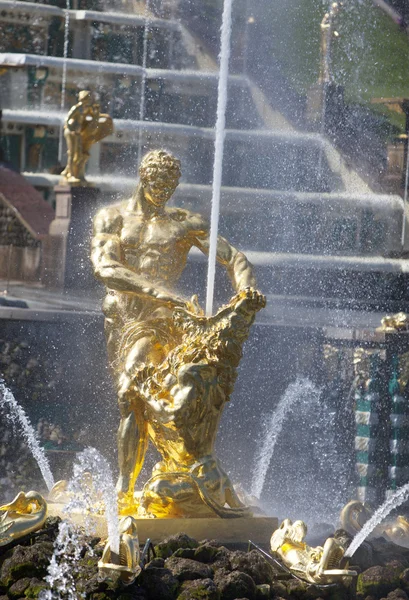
[
  {"x": 173, "y": 367},
  {"x": 394, "y": 323},
  {"x": 124, "y": 566},
  {"x": 319, "y": 565},
  {"x": 25, "y": 514},
  {"x": 355, "y": 514},
  {"x": 327, "y": 31},
  {"x": 83, "y": 127}
]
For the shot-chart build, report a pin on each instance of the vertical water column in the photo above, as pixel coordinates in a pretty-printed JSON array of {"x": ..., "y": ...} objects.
[
  {"x": 220, "y": 133},
  {"x": 367, "y": 399},
  {"x": 398, "y": 470}
]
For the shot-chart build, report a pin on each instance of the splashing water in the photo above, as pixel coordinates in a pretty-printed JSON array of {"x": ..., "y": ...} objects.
[
  {"x": 67, "y": 552},
  {"x": 17, "y": 416},
  {"x": 91, "y": 461},
  {"x": 143, "y": 80},
  {"x": 64, "y": 73},
  {"x": 218, "y": 151},
  {"x": 295, "y": 392},
  {"x": 380, "y": 514}
]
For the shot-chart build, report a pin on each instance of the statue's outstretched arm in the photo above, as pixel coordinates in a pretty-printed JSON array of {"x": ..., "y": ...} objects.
[
  {"x": 106, "y": 256},
  {"x": 238, "y": 267}
]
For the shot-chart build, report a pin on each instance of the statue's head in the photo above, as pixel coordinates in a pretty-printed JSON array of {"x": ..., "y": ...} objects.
[
  {"x": 160, "y": 173},
  {"x": 85, "y": 96}
]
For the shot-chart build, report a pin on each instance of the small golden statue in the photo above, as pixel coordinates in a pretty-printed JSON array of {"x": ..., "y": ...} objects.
[
  {"x": 320, "y": 565},
  {"x": 355, "y": 514},
  {"x": 174, "y": 368},
  {"x": 25, "y": 514},
  {"x": 327, "y": 32},
  {"x": 83, "y": 127},
  {"x": 394, "y": 323},
  {"x": 126, "y": 565}
]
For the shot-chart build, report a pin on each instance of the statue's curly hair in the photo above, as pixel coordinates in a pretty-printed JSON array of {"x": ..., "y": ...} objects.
[{"x": 155, "y": 163}]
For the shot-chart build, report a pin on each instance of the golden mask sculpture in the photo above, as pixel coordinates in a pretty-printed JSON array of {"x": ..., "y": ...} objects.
[
  {"x": 394, "y": 323},
  {"x": 126, "y": 565},
  {"x": 83, "y": 127},
  {"x": 319, "y": 565},
  {"x": 174, "y": 368},
  {"x": 25, "y": 514}
]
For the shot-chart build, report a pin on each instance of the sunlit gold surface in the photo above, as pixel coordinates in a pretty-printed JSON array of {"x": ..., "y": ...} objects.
[
  {"x": 25, "y": 514},
  {"x": 397, "y": 322},
  {"x": 83, "y": 127},
  {"x": 355, "y": 514},
  {"x": 316, "y": 565},
  {"x": 124, "y": 566},
  {"x": 174, "y": 369}
]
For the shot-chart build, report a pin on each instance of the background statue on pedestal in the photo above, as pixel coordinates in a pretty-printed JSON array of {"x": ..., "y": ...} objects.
[
  {"x": 174, "y": 367},
  {"x": 83, "y": 127}
]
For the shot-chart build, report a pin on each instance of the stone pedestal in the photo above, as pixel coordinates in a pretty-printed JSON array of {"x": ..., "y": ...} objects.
[
  {"x": 67, "y": 251},
  {"x": 227, "y": 531}
]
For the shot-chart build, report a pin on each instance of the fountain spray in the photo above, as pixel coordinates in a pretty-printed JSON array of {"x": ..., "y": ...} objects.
[
  {"x": 18, "y": 417},
  {"x": 218, "y": 150}
]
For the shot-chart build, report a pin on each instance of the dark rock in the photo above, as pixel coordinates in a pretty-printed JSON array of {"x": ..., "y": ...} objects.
[
  {"x": 186, "y": 569},
  {"x": 404, "y": 579},
  {"x": 397, "y": 594},
  {"x": 214, "y": 543},
  {"x": 263, "y": 591},
  {"x": 185, "y": 553},
  {"x": 203, "y": 589},
  {"x": 206, "y": 553},
  {"x": 363, "y": 557},
  {"x": 35, "y": 588},
  {"x": 253, "y": 564},
  {"x": 52, "y": 523},
  {"x": 384, "y": 553},
  {"x": 156, "y": 563},
  {"x": 233, "y": 585},
  {"x": 378, "y": 581},
  {"x": 297, "y": 588},
  {"x": 19, "y": 587},
  {"x": 279, "y": 590},
  {"x": 159, "y": 583},
  {"x": 26, "y": 561},
  {"x": 166, "y": 548}
]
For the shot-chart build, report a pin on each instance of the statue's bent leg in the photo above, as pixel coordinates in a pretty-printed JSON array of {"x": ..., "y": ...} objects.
[{"x": 132, "y": 432}]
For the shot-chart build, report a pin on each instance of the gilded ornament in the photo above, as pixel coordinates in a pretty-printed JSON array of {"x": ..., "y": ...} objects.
[
  {"x": 320, "y": 565},
  {"x": 24, "y": 515},
  {"x": 174, "y": 368},
  {"x": 84, "y": 126},
  {"x": 124, "y": 566}
]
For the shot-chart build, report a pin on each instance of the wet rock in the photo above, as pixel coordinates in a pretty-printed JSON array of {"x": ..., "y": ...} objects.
[
  {"x": 397, "y": 594},
  {"x": 263, "y": 591},
  {"x": 156, "y": 563},
  {"x": 166, "y": 548},
  {"x": 203, "y": 589},
  {"x": 378, "y": 581},
  {"x": 35, "y": 588},
  {"x": 233, "y": 585},
  {"x": 404, "y": 579},
  {"x": 26, "y": 561},
  {"x": 206, "y": 553},
  {"x": 159, "y": 583},
  {"x": 297, "y": 588},
  {"x": 185, "y": 553},
  {"x": 253, "y": 564},
  {"x": 385, "y": 553},
  {"x": 186, "y": 569},
  {"x": 279, "y": 590},
  {"x": 18, "y": 588}
]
